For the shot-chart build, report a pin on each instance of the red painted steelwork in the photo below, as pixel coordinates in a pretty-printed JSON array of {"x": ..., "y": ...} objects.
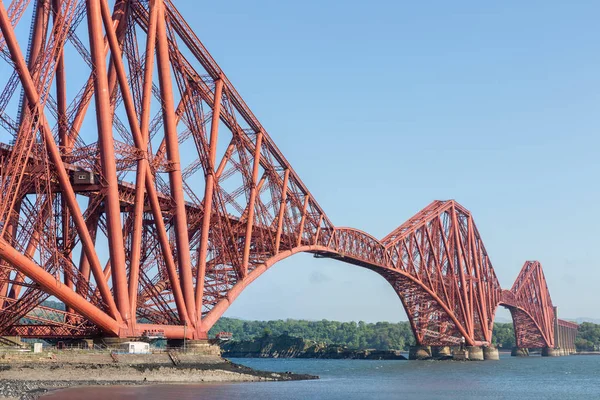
[
  {"x": 178, "y": 179},
  {"x": 531, "y": 307}
]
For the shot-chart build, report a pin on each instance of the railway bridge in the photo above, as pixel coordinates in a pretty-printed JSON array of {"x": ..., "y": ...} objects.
[{"x": 139, "y": 189}]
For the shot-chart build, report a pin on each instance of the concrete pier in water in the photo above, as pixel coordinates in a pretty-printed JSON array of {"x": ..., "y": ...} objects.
[
  {"x": 490, "y": 353},
  {"x": 418, "y": 352},
  {"x": 475, "y": 353},
  {"x": 550, "y": 352},
  {"x": 519, "y": 352},
  {"x": 441, "y": 352}
]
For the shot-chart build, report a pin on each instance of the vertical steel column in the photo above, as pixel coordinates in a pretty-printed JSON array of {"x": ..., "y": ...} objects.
[
  {"x": 107, "y": 160},
  {"x": 468, "y": 310},
  {"x": 84, "y": 263},
  {"x": 61, "y": 88},
  {"x": 208, "y": 195},
  {"x": 175, "y": 178},
  {"x": 118, "y": 14},
  {"x": 140, "y": 137},
  {"x": 61, "y": 103},
  {"x": 252, "y": 201},
  {"x": 121, "y": 77},
  {"x": 282, "y": 205},
  {"x": 142, "y": 166},
  {"x": 303, "y": 220},
  {"x": 318, "y": 230},
  {"x": 29, "y": 253},
  {"x": 555, "y": 325},
  {"x": 482, "y": 300},
  {"x": 5, "y": 268}
]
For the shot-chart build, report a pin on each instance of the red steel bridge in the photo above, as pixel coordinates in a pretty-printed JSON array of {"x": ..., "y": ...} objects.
[{"x": 139, "y": 189}]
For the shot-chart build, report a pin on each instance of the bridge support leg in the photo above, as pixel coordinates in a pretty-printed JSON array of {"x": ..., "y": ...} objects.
[
  {"x": 550, "y": 352},
  {"x": 419, "y": 352},
  {"x": 475, "y": 353},
  {"x": 202, "y": 346},
  {"x": 441, "y": 352},
  {"x": 519, "y": 352},
  {"x": 490, "y": 353}
]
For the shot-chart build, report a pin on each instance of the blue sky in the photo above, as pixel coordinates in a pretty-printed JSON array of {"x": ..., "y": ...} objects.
[{"x": 384, "y": 106}]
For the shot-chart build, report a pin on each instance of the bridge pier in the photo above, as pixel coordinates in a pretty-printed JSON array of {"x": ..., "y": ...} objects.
[
  {"x": 460, "y": 354},
  {"x": 490, "y": 353},
  {"x": 550, "y": 352},
  {"x": 441, "y": 352},
  {"x": 519, "y": 352},
  {"x": 419, "y": 352},
  {"x": 202, "y": 346},
  {"x": 475, "y": 353}
]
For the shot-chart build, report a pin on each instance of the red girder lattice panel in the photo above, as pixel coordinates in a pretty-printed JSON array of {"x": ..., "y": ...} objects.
[{"x": 144, "y": 194}]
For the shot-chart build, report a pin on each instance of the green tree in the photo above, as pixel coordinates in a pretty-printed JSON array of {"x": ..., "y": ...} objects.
[{"x": 361, "y": 335}]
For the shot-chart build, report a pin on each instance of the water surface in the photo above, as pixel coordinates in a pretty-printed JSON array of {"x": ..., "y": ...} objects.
[{"x": 574, "y": 377}]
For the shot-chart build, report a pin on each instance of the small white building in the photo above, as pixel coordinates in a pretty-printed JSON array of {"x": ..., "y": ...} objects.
[
  {"x": 135, "y": 347},
  {"x": 37, "y": 347}
]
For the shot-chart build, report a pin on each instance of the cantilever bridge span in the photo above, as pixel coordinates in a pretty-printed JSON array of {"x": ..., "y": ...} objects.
[{"x": 139, "y": 189}]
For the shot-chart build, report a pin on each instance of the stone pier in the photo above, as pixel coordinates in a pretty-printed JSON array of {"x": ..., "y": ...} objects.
[
  {"x": 441, "y": 352},
  {"x": 475, "y": 353},
  {"x": 460, "y": 354},
  {"x": 550, "y": 352},
  {"x": 203, "y": 346},
  {"x": 519, "y": 352},
  {"x": 418, "y": 352},
  {"x": 490, "y": 353}
]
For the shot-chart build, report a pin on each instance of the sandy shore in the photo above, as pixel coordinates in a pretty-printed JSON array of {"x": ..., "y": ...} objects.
[{"x": 30, "y": 377}]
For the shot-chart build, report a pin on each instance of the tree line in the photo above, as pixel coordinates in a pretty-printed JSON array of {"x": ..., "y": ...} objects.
[
  {"x": 588, "y": 337},
  {"x": 361, "y": 335},
  {"x": 355, "y": 335}
]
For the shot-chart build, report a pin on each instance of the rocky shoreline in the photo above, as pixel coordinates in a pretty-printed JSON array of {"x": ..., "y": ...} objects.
[
  {"x": 32, "y": 390},
  {"x": 286, "y": 346},
  {"x": 31, "y": 378}
]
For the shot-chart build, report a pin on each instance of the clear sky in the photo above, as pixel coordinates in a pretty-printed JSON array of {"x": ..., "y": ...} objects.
[{"x": 383, "y": 106}]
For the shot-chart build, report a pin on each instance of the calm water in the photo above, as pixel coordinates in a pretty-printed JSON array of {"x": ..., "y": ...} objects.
[{"x": 575, "y": 377}]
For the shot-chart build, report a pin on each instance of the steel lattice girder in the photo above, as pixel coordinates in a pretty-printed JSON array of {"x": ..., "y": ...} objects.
[{"x": 157, "y": 211}]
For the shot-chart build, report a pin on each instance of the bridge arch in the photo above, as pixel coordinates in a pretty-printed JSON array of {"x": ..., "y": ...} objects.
[{"x": 432, "y": 320}]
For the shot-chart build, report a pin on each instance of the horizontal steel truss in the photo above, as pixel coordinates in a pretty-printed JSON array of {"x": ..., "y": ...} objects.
[{"x": 185, "y": 198}]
